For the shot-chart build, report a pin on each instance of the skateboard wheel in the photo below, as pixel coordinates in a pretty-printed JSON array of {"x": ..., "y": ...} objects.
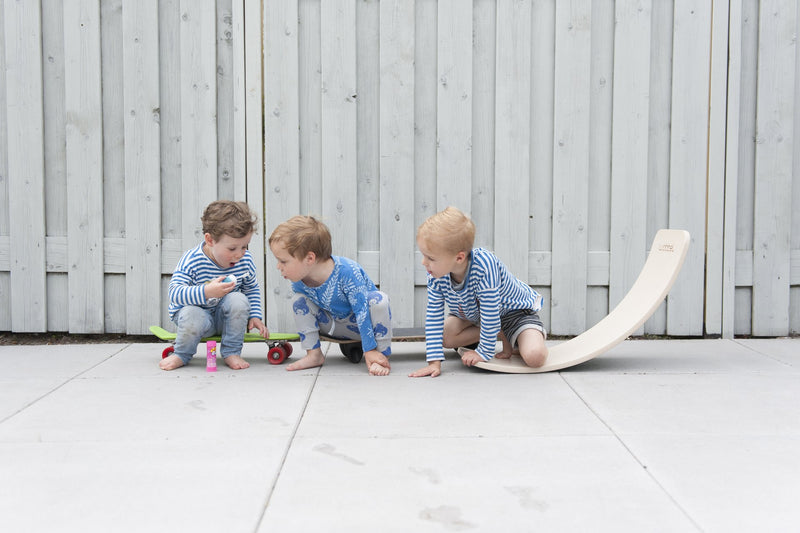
[
  {"x": 352, "y": 350},
  {"x": 287, "y": 347},
  {"x": 276, "y": 355},
  {"x": 167, "y": 352}
]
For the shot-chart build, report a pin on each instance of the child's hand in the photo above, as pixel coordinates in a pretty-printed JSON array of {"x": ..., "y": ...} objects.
[
  {"x": 470, "y": 357},
  {"x": 433, "y": 369},
  {"x": 256, "y": 323},
  {"x": 219, "y": 288}
]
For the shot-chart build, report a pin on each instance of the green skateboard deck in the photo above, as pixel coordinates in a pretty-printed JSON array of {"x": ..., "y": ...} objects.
[{"x": 278, "y": 343}]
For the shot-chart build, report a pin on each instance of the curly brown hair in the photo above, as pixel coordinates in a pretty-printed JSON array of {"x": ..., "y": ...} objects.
[{"x": 226, "y": 217}]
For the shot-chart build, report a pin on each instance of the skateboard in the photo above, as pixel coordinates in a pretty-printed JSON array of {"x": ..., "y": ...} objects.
[
  {"x": 352, "y": 350},
  {"x": 278, "y": 343}
]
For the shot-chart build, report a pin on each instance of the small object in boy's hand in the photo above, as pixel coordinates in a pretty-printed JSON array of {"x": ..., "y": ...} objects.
[{"x": 229, "y": 278}]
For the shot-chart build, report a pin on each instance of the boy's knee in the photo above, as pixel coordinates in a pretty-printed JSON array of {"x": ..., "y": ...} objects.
[{"x": 536, "y": 356}]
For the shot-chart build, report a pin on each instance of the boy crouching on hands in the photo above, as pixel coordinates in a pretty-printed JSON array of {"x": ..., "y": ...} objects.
[
  {"x": 483, "y": 299},
  {"x": 201, "y": 302},
  {"x": 335, "y": 295}
]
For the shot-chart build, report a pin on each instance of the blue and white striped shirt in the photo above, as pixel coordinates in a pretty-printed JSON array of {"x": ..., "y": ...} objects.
[
  {"x": 489, "y": 291},
  {"x": 195, "y": 269}
]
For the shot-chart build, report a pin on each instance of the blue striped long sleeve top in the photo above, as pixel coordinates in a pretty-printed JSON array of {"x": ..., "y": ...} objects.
[
  {"x": 488, "y": 292},
  {"x": 195, "y": 269}
]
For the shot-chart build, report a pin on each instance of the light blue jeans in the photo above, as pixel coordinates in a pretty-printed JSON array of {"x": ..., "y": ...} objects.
[{"x": 228, "y": 318}]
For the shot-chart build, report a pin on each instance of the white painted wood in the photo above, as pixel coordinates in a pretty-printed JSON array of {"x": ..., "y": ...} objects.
[
  {"x": 571, "y": 167},
  {"x": 169, "y": 73},
  {"x": 26, "y": 213},
  {"x": 512, "y": 136},
  {"x": 454, "y": 106},
  {"x": 688, "y": 158},
  {"x": 368, "y": 123},
  {"x": 773, "y": 179},
  {"x": 715, "y": 216},
  {"x": 199, "y": 186},
  {"x": 425, "y": 95},
  {"x": 84, "y": 151},
  {"x": 731, "y": 176},
  {"x": 339, "y": 174},
  {"x": 142, "y": 176},
  {"x": 310, "y": 91},
  {"x": 631, "y": 124},
  {"x": 484, "y": 49},
  {"x": 111, "y": 75},
  {"x": 251, "y": 170},
  {"x": 229, "y": 186},
  {"x": 5, "y": 277},
  {"x": 281, "y": 116},
  {"x": 397, "y": 231}
]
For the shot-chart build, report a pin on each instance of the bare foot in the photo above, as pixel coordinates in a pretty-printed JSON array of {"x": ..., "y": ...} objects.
[
  {"x": 171, "y": 362},
  {"x": 313, "y": 358},
  {"x": 237, "y": 363},
  {"x": 377, "y": 363}
]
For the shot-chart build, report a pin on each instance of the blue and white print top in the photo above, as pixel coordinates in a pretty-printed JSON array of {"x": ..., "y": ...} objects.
[
  {"x": 195, "y": 269},
  {"x": 345, "y": 292},
  {"x": 488, "y": 292}
]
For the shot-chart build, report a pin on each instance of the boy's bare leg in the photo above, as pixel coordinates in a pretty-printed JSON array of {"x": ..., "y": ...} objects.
[
  {"x": 459, "y": 332},
  {"x": 377, "y": 363},
  {"x": 236, "y": 362},
  {"x": 532, "y": 347},
  {"x": 170, "y": 362},
  {"x": 313, "y": 357}
]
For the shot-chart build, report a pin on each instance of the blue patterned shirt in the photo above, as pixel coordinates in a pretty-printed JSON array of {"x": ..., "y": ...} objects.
[
  {"x": 345, "y": 292},
  {"x": 195, "y": 269},
  {"x": 489, "y": 291}
]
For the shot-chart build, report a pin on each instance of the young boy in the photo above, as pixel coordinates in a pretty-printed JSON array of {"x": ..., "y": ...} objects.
[
  {"x": 335, "y": 295},
  {"x": 483, "y": 298},
  {"x": 201, "y": 302}
]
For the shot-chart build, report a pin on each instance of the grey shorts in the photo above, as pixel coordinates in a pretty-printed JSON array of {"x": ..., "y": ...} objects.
[{"x": 515, "y": 322}]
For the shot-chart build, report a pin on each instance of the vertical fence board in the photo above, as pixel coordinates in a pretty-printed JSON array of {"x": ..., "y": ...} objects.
[
  {"x": 24, "y": 113},
  {"x": 773, "y": 178},
  {"x": 198, "y": 115},
  {"x": 142, "y": 176},
  {"x": 571, "y": 167},
  {"x": 339, "y": 172},
  {"x": 84, "y": 160},
  {"x": 794, "y": 297},
  {"x": 731, "y": 169},
  {"x": 397, "y": 157},
  {"x": 310, "y": 94},
  {"x": 281, "y": 116},
  {"x": 5, "y": 277},
  {"x": 169, "y": 72},
  {"x": 368, "y": 127},
  {"x": 252, "y": 172},
  {"x": 513, "y": 136},
  {"x": 229, "y": 185},
  {"x": 628, "y": 235},
  {"x": 688, "y": 160},
  {"x": 483, "y": 120},
  {"x": 454, "y": 105}
]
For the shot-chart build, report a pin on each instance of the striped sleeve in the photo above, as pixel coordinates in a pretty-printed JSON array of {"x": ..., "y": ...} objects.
[{"x": 434, "y": 322}]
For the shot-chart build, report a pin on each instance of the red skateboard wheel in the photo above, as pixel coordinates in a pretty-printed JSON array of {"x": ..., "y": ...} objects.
[{"x": 276, "y": 355}]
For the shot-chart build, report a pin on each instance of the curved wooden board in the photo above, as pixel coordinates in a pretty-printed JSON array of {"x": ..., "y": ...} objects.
[{"x": 663, "y": 264}]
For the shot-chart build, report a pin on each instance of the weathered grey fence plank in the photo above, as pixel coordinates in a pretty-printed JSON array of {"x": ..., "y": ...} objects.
[
  {"x": 84, "y": 155},
  {"x": 5, "y": 276},
  {"x": 339, "y": 163},
  {"x": 628, "y": 235},
  {"x": 281, "y": 182},
  {"x": 454, "y": 106},
  {"x": 310, "y": 107},
  {"x": 512, "y": 136},
  {"x": 142, "y": 157},
  {"x": 24, "y": 113},
  {"x": 688, "y": 159},
  {"x": 199, "y": 185},
  {"x": 397, "y": 157},
  {"x": 773, "y": 178},
  {"x": 229, "y": 184},
  {"x": 571, "y": 166}
]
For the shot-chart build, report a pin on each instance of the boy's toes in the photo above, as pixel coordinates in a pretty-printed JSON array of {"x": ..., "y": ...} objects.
[
  {"x": 170, "y": 363},
  {"x": 236, "y": 363}
]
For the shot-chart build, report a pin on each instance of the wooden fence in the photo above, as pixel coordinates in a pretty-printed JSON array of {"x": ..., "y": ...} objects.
[{"x": 571, "y": 131}]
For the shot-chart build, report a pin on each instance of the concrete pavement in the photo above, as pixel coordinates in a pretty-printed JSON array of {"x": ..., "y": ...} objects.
[{"x": 655, "y": 435}]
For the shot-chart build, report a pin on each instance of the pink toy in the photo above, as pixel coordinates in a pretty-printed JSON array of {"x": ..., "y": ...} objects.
[{"x": 211, "y": 357}]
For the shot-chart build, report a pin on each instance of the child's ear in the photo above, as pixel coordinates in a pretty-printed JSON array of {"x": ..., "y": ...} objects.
[
  {"x": 209, "y": 239},
  {"x": 310, "y": 258},
  {"x": 461, "y": 257}
]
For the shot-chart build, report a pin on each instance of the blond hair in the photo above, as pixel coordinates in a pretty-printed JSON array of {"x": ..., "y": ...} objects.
[
  {"x": 450, "y": 230},
  {"x": 226, "y": 217},
  {"x": 302, "y": 234}
]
